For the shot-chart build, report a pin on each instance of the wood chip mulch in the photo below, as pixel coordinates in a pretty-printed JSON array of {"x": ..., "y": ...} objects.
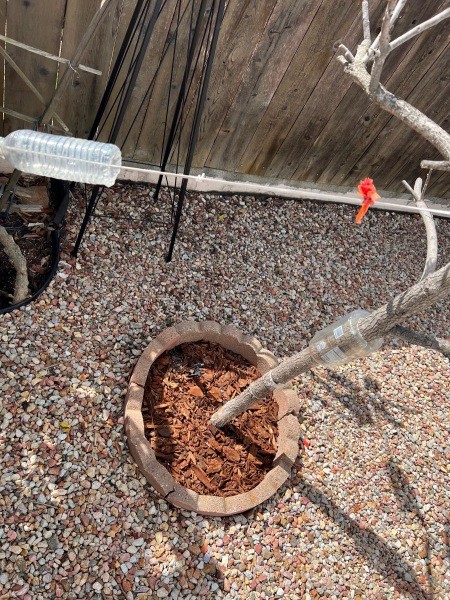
[{"x": 184, "y": 387}]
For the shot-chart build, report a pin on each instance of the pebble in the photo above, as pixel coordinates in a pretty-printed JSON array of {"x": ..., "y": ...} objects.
[{"x": 364, "y": 513}]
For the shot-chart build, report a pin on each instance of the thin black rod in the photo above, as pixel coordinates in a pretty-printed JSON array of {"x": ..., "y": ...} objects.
[
  {"x": 117, "y": 102},
  {"x": 117, "y": 66},
  {"x": 118, "y": 120},
  {"x": 137, "y": 67},
  {"x": 172, "y": 69},
  {"x": 196, "y": 126},
  {"x": 181, "y": 94},
  {"x": 87, "y": 215},
  {"x": 182, "y": 120},
  {"x": 167, "y": 44}
]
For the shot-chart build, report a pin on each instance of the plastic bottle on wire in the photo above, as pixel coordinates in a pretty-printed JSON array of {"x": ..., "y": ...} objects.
[{"x": 67, "y": 158}]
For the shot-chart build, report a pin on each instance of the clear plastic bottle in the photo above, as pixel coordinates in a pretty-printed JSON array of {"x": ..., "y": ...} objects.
[
  {"x": 67, "y": 158},
  {"x": 327, "y": 353}
]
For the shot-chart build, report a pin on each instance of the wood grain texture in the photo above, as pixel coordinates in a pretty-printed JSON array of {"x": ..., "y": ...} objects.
[
  {"x": 284, "y": 31},
  {"x": 369, "y": 129},
  {"x": 304, "y": 89},
  {"x": 278, "y": 104},
  {"x": 388, "y": 149},
  {"x": 152, "y": 133},
  {"x": 81, "y": 99},
  {"x": 126, "y": 10},
  {"x": 3, "y": 9},
  {"x": 242, "y": 28},
  {"x": 38, "y": 23}
]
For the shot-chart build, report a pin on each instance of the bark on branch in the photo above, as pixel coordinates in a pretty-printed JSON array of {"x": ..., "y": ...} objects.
[
  {"x": 430, "y": 228},
  {"x": 437, "y": 165},
  {"x": 420, "y": 296},
  {"x": 401, "y": 109},
  {"x": 395, "y": 15},
  {"x": 445, "y": 14},
  {"x": 421, "y": 339},
  {"x": 18, "y": 261},
  {"x": 382, "y": 53}
]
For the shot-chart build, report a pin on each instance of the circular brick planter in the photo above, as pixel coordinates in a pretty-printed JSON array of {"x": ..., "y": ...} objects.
[{"x": 156, "y": 474}]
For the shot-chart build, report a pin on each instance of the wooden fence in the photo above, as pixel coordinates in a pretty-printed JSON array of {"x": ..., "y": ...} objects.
[{"x": 278, "y": 106}]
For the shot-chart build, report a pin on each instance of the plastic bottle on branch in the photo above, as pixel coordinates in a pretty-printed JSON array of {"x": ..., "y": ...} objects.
[
  {"x": 60, "y": 157},
  {"x": 327, "y": 353}
]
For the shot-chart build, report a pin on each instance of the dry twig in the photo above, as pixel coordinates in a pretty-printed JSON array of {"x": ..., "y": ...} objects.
[{"x": 19, "y": 262}]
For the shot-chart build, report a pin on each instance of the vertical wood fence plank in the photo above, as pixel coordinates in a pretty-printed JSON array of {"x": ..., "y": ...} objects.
[
  {"x": 3, "y": 8},
  {"x": 145, "y": 142},
  {"x": 284, "y": 31},
  {"x": 242, "y": 28},
  {"x": 127, "y": 9},
  {"x": 37, "y": 23},
  {"x": 80, "y": 101},
  {"x": 309, "y": 88}
]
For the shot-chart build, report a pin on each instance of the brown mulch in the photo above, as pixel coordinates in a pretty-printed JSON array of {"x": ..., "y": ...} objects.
[
  {"x": 35, "y": 244},
  {"x": 184, "y": 387},
  {"x": 37, "y": 249}
]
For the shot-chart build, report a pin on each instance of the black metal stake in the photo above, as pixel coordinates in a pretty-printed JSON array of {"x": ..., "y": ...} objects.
[
  {"x": 181, "y": 97},
  {"x": 87, "y": 215},
  {"x": 116, "y": 68},
  {"x": 195, "y": 128},
  {"x": 113, "y": 136}
]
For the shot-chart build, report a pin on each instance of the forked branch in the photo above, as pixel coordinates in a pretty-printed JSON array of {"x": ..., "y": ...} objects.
[{"x": 433, "y": 286}]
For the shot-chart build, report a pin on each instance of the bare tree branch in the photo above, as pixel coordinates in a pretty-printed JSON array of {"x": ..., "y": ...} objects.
[
  {"x": 409, "y": 335},
  {"x": 438, "y": 165},
  {"x": 433, "y": 286},
  {"x": 418, "y": 297},
  {"x": 18, "y": 261},
  {"x": 348, "y": 55},
  {"x": 421, "y": 339},
  {"x": 395, "y": 15},
  {"x": 382, "y": 53},
  {"x": 398, "y": 107},
  {"x": 445, "y": 14},
  {"x": 432, "y": 243},
  {"x": 366, "y": 22}
]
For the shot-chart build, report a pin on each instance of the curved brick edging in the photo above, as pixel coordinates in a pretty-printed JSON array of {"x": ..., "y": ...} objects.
[{"x": 156, "y": 474}]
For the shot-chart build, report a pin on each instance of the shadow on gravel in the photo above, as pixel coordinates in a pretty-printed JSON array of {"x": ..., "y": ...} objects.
[
  {"x": 389, "y": 563},
  {"x": 360, "y": 407},
  {"x": 407, "y": 501}
]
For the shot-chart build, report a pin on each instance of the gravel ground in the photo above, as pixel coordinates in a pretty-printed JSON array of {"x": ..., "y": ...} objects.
[{"x": 366, "y": 513}]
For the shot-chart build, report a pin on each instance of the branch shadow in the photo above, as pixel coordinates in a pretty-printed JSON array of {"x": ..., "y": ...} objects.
[
  {"x": 407, "y": 501},
  {"x": 389, "y": 563},
  {"x": 360, "y": 409}
]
